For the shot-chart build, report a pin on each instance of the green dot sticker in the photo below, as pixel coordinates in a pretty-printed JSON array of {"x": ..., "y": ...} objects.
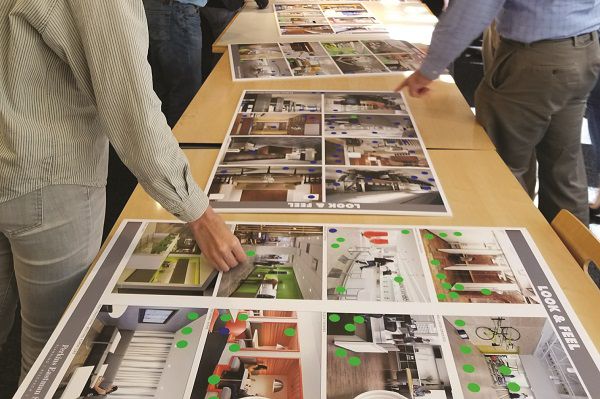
[
  {"x": 186, "y": 330},
  {"x": 446, "y": 286},
  {"x": 225, "y": 317},
  {"x": 443, "y": 235},
  {"x": 457, "y": 233},
  {"x": 468, "y": 368},
  {"x": 359, "y": 319},
  {"x": 335, "y": 245},
  {"x": 486, "y": 291},
  {"x": 441, "y": 276},
  {"x": 340, "y": 239},
  {"x": 513, "y": 386},
  {"x": 340, "y": 289},
  {"x": 399, "y": 279},
  {"x": 235, "y": 347},
  {"x": 405, "y": 231},
  {"x": 454, "y": 295},
  {"x": 250, "y": 253},
  {"x": 429, "y": 236},
  {"x": 459, "y": 287},
  {"x": 466, "y": 349},
  {"x": 214, "y": 379},
  {"x": 341, "y": 352},
  {"x": 473, "y": 387},
  {"x": 334, "y": 317},
  {"x": 181, "y": 344},
  {"x": 460, "y": 323},
  {"x": 435, "y": 262},
  {"x": 441, "y": 297},
  {"x": 192, "y": 316},
  {"x": 243, "y": 316},
  {"x": 289, "y": 332},
  {"x": 354, "y": 361},
  {"x": 350, "y": 327},
  {"x": 504, "y": 370}
]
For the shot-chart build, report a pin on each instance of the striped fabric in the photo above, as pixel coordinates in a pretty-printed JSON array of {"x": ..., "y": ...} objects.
[
  {"x": 524, "y": 21},
  {"x": 73, "y": 75}
]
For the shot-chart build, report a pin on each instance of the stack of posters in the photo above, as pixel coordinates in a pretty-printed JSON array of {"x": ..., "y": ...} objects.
[
  {"x": 319, "y": 311},
  {"x": 310, "y": 59},
  {"x": 300, "y": 18},
  {"x": 328, "y": 152}
]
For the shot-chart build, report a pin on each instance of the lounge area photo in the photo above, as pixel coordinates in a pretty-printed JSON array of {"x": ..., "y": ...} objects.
[
  {"x": 167, "y": 260},
  {"x": 512, "y": 357},
  {"x": 393, "y": 356},
  {"x": 473, "y": 266},
  {"x": 135, "y": 352},
  {"x": 374, "y": 152},
  {"x": 392, "y": 126},
  {"x": 273, "y": 151},
  {"x": 261, "y": 353},
  {"x": 281, "y": 102},
  {"x": 266, "y": 124},
  {"x": 375, "y": 265},
  {"x": 393, "y": 47},
  {"x": 258, "y": 51},
  {"x": 266, "y": 184},
  {"x": 262, "y": 68},
  {"x": 313, "y": 66},
  {"x": 303, "y": 49},
  {"x": 285, "y": 262},
  {"x": 376, "y": 103}
]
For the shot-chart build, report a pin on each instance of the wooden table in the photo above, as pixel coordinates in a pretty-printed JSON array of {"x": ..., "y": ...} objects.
[
  {"x": 481, "y": 191},
  {"x": 407, "y": 21},
  {"x": 443, "y": 117}
]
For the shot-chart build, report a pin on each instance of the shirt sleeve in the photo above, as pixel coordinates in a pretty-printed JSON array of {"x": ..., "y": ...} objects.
[
  {"x": 112, "y": 37},
  {"x": 463, "y": 22}
]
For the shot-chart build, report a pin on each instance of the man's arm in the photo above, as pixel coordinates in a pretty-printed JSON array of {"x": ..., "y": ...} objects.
[
  {"x": 113, "y": 37},
  {"x": 463, "y": 21}
]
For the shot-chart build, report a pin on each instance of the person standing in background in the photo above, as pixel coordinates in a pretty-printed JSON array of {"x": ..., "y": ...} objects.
[
  {"x": 175, "y": 52},
  {"x": 532, "y": 99}
]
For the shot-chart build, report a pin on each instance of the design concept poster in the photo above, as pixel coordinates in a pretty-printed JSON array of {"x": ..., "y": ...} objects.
[
  {"x": 321, "y": 311},
  {"x": 327, "y": 152}
]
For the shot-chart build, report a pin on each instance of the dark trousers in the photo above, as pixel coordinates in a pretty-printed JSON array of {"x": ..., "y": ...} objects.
[
  {"x": 593, "y": 118},
  {"x": 214, "y": 22},
  {"x": 175, "y": 54}
]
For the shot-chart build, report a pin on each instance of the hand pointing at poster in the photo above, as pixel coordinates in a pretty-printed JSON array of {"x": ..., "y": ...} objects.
[
  {"x": 416, "y": 83},
  {"x": 217, "y": 242}
]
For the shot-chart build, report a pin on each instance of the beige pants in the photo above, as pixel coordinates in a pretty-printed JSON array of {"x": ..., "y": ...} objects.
[{"x": 531, "y": 102}]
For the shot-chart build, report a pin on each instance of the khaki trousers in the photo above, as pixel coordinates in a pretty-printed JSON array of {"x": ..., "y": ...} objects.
[{"x": 531, "y": 102}]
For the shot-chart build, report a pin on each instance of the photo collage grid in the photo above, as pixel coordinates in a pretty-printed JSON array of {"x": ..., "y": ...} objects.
[
  {"x": 330, "y": 58},
  {"x": 301, "y": 18},
  {"x": 202, "y": 352},
  {"x": 324, "y": 152}
]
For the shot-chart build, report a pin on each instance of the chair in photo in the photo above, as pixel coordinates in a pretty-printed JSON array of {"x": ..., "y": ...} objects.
[{"x": 580, "y": 241}]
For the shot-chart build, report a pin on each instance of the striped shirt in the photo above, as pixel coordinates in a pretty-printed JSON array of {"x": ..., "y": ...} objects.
[
  {"x": 525, "y": 21},
  {"x": 74, "y": 75}
]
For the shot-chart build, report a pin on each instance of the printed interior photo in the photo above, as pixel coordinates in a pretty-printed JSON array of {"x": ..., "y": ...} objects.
[
  {"x": 262, "y": 68},
  {"x": 273, "y": 151},
  {"x": 353, "y": 20},
  {"x": 167, "y": 260},
  {"x": 400, "y": 62},
  {"x": 261, "y": 354},
  {"x": 316, "y": 20},
  {"x": 374, "y": 152},
  {"x": 135, "y": 352},
  {"x": 306, "y": 30},
  {"x": 297, "y": 7},
  {"x": 391, "y": 46},
  {"x": 395, "y": 356},
  {"x": 346, "y": 29},
  {"x": 376, "y": 103},
  {"x": 345, "y": 48},
  {"x": 313, "y": 66},
  {"x": 352, "y": 64},
  {"x": 511, "y": 357},
  {"x": 266, "y": 183},
  {"x": 393, "y": 126},
  {"x": 473, "y": 266},
  {"x": 248, "y": 52},
  {"x": 301, "y": 14},
  {"x": 338, "y": 9},
  {"x": 282, "y": 124},
  {"x": 303, "y": 50},
  {"x": 284, "y": 262},
  {"x": 381, "y": 186},
  {"x": 281, "y": 102},
  {"x": 366, "y": 264}
]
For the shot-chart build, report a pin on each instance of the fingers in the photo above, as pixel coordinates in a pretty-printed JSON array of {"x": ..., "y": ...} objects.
[
  {"x": 239, "y": 253},
  {"x": 401, "y": 85}
]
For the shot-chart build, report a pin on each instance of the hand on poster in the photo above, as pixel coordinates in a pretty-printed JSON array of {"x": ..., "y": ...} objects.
[
  {"x": 217, "y": 242},
  {"x": 416, "y": 83}
]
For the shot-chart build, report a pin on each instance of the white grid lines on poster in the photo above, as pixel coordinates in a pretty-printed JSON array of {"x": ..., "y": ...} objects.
[
  {"x": 361, "y": 150},
  {"x": 297, "y": 331},
  {"x": 326, "y": 58}
]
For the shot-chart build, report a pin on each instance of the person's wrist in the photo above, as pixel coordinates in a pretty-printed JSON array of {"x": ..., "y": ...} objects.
[{"x": 204, "y": 220}]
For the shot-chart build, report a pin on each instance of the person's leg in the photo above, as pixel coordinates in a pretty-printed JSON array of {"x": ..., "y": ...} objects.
[
  {"x": 593, "y": 119},
  {"x": 214, "y": 22},
  {"x": 51, "y": 256},
  {"x": 8, "y": 290}
]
